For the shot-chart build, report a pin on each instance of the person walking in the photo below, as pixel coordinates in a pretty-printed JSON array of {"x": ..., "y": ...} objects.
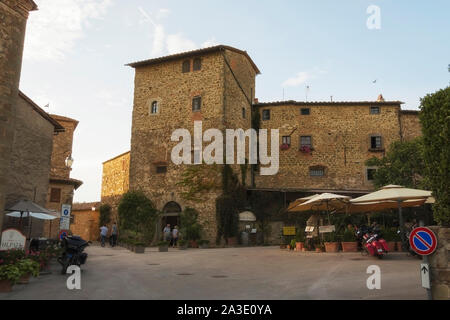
[
  {"x": 103, "y": 234},
  {"x": 167, "y": 233},
  {"x": 114, "y": 235},
  {"x": 175, "y": 236}
]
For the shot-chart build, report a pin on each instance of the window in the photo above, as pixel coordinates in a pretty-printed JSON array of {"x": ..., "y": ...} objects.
[
  {"x": 55, "y": 195},
  {"x": 196, "y": 104},
  {"x": 197, "y": 64},
  {"x": 317, "y": 171},
  {"x": 376, "y": 142},
  {"x": 286, "y": 140},
  {"x": 72, "y": 218},
  {"x": 244, "y": 113},
  {"x": 154, "y": 108},
  {"x": 375, "y": 110},
  {"x": 266, "y": 115},
  {"x": 186, "y": 66},
  {"x": 371, "y": 174},
  {"x": 161, "y": 169},
  {"x": 306, "y": 141},
  {"x": 305, "y": 111}
]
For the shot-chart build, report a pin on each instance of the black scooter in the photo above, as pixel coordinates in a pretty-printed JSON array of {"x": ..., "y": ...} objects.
[{"x": 73, "y": 252}]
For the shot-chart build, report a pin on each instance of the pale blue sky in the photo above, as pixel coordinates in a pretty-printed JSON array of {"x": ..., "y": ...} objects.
[{"x": 76, "y": 50}]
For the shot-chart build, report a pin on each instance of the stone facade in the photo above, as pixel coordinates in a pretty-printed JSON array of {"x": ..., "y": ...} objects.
[
  {"x": 29, "y": 168},
  {"x": 85, "y": 220},
  {"x": 225, "y": 84},
  {"x": 342, "y": 132},
  {"x": 61, "y": 187},
  {"x": 13, "y": 19},
  {"x": 341, "y": 137}
]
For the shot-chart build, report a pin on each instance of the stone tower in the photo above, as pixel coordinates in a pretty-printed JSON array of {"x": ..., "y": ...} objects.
[
  {"x": 13, "y": 19},
  {"x": 214, "y": 85}
]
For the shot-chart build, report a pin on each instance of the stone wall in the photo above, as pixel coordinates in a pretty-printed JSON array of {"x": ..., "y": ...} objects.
[
  {"x": 410, "y": 124},
  {"x": 439, "y": 263},
  {"x": 115, "y": 177},
  {"x": 222, "y": 101},
  {"x": 13, "y": 18},
  {"x": 86, "y": 224},
  {"x": 341, "y": 139},
  {"x": 62, "y": 146}
]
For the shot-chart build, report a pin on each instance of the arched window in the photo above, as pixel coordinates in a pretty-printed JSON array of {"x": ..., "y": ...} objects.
[
  {"x": 154, "y": 108},
  {"x": 197, "y": 64},
  {"x": 186, "y": 66}
]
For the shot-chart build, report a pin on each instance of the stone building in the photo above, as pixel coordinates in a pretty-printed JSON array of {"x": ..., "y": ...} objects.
[
  {"x": 29, "y": 168},
  {"x": 13, "y": 19},
  {"x": 61, "y": 187},
  {"x": 85, "y": 220},
  {"x": 325, "y": 144}
]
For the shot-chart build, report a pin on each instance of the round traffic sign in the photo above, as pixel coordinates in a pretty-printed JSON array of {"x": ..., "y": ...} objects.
[
  {"x": 63, "y": 234},
  {"x": 423, "y": 241}
]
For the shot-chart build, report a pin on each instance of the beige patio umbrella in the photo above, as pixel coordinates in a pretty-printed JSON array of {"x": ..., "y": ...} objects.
[
  {"x": 387, "y": 196},
  {"x": 322, "y": 202},
  {"x": 297, "y": 202}
]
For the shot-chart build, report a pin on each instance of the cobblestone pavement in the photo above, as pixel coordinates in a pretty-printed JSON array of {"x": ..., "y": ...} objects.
[{"x": 229, "y": 274}]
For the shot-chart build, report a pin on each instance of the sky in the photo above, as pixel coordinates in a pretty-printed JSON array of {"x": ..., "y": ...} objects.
[{"x": 76, "y": 50}]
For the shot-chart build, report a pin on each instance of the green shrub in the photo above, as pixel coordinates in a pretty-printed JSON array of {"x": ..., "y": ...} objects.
[
  {"x": 203, "y": 242},
  {"x": 191, "y": 229},
  {"x": 163, "y": 244},
  {"x": 28, "y": 266},
  {"x": 10, "y": 272},
  {"x": 349, "y": 235},
  {"x": 330, "y": 237}
]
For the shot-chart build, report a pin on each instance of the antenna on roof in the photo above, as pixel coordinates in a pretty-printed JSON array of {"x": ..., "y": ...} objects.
[
  {"x": 47, "y": 105},
  {"x": 283, "y": 94},
  {"x": 307, "y": 92}
]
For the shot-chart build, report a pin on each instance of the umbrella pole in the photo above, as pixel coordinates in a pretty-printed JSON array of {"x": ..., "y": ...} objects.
[{"x": 400, "y": 219}]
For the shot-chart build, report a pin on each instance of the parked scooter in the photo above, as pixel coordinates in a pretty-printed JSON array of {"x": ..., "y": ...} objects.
[
  {"x": 73, "y": 252},
  {"x": 372, "y": 242}
]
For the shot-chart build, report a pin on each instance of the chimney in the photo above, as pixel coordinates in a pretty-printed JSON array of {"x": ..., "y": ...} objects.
[
  {"x": 381, "y": 98},
  {"x": 256, "y": 101}
]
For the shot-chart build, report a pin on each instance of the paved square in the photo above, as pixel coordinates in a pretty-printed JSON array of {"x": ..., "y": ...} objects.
[{"x": 229, "y": 274}]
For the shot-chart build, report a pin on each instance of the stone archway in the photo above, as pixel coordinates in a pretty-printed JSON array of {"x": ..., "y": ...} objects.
[{"x": 170, "y": 215}]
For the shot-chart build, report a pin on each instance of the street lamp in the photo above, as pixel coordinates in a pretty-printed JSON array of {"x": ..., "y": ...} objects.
[{"x": 69, "y": 162}]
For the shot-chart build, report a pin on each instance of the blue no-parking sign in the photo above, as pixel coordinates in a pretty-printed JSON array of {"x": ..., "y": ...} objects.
[{"x": 423, "y": 241}]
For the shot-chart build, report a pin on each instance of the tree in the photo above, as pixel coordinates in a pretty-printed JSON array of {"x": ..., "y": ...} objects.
[
  {"x": 403, "y": 165},
  {"x": 191, "y": 228},
  {"x": 137, "y": 213},
  {"x": 435, "y": 120},
  {"x": 105, "y": 214}
]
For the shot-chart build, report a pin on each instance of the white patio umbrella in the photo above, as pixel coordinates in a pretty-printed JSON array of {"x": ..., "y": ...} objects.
[
  {"x": 25, "y": 208},
  {"x": 297, "y": 202},
  {"x": 404, "y": 197},
  {"x": 322, "y": 202}
]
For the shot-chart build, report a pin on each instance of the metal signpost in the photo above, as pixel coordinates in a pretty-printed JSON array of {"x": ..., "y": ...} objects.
[
  {"x": 65, "y": 217},
  {"x": 424, "y": 242}
]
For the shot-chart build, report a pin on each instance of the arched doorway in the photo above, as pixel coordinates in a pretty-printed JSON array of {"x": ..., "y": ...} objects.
[{"x": 171, "y": 215}]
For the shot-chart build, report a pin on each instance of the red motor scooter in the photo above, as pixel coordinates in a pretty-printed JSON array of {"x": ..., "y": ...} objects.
[{"x": 372, "y": 242}]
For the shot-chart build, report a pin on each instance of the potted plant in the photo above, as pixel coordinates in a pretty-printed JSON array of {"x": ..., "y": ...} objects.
[
  {"x": 331, "y": 243},
  {"x": 163, "y": 246},
  {"x": 293, "y": 244},
  {"x": 27, "y": 269},
  {"x": 389, "y": 236},
  {"x": 182, "y": 245},
  {"x": 349, "y": 241},
  {"x": 139, "y": 248},
  {"x": 204, "y": 244},
  {"x": 284, "y": 147},
  {"x": 300, "y": 239},
  {"x": 9, "y": 275},
  {"x": 306, "y": 149}
]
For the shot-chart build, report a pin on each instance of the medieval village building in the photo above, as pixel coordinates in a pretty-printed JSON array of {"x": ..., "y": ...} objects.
[{"x": 324, "y": 144}]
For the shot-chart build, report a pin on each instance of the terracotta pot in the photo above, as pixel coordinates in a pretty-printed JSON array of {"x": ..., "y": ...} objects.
[
  {"x": 163, "y": 249},
  {"x": 24, "y": 279},
  {"x": 304, "y": 250},
  {"x": 232, "y": 242},
  {"x": 139, "y": 250},
  {"x": 299, "y": 246},
  {"x": 283, "y": 246},
  {"x": 331, "y": 246},
  {"x": 391, "y": 245},
  {"x": 350, "y": 246},
  {"x": 193, "y": 244},
  {"x": 318, "y": 250},
  {"x": 5, "y": 286}
]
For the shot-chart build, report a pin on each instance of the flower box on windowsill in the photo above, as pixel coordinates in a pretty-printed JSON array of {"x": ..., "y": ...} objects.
[
  {"x": 376, "y": 150},
  {"x": 306, "y": 150},
  {"x": 285, "y": 147}
]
